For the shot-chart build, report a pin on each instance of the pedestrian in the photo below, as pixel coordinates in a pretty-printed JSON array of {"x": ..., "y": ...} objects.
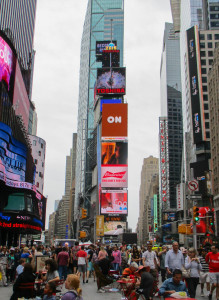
[
  {"x": 192, "y": 264},
  {"x": 212, "y": 258},
  {"x": 74, "y": 292},
  {"x": 136, "y": 257},
  {"x": 63, "y": 261},
  {"x": 74, "y": 252},
  {"x": 174, "y": 260},
  {"x": 52, "y": 274},
  {"x": 20, "y": 267},
  {"x": 90, "y": 262},
  {"x": 162, "y": 255},
  {"x": 82, "y": 262},
  {"x": 102, "y": 253},
  {"x": 150, "y": 260},
  {"x": 3, "y": 264},
  {"x": 116, "y": 254},
  {"x": 26, "y": 255},
  {"x": 204, "y": 274},
  {"x": 11, "y": 265},
  {"x": 49, "y": 290},
  {"x": 146, "y": 281}
]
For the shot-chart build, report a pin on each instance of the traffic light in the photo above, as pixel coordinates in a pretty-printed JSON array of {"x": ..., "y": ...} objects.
[
  {"x": 83, "y": 213},
  {"x": 82, "y": 234},
  {"x": 195, "y": 214}
]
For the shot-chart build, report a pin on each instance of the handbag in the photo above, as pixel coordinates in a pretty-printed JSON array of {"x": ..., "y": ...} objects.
[{"x": 186, "y": 273}]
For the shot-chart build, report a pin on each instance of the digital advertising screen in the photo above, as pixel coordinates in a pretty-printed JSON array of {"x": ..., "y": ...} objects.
[
  {"x": 113, "y": 202},
  {"x": 109, "y": 101},
  {"x": 109, "y": 226},
  {"x": 114, "y": 153},
  {"x": 115, "y": 121},
  {"x": 7, "y": 63},
  {"x": 13, "y": 155},
  {"x": 110, "y": 58},
  {"x": 111, "y": 81},
  {"x": 194, "y": 84},
  {"x": 21, "y": 101},
  {"x": 114, "y": 176},
  {"x": 100, "y": 46}
]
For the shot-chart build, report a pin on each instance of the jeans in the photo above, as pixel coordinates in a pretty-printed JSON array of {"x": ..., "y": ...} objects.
[
  {"x": 63, "y": 270},
  {"x": 116, "y": 266}
]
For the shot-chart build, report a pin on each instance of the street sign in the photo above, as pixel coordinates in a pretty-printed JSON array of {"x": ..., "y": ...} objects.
[
  {"x": 197, "y": 197},
  {"x": 193, "y": 185}
]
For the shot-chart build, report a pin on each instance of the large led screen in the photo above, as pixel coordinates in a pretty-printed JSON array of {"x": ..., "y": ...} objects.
[
  {"x": 101, "y": 45},
  {"x": 114, "y": 176},
  {"x": 113, "y": 202},
  {"x": 7, "y": 64},
  {"x": 111, "y": 81},
  {"x": 109, "y": 101},
  {"x": 13, "y": 155},
  {"x": 115, "y": 121},
  {"x": 21, "y": 101},
  {"x": 114, "y": 153},
  {"x": 194, "y": 84},
  {"x": 110, "y": 226}
]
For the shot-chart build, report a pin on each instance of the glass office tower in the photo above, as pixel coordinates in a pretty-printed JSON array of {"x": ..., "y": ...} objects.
[
  {"x": 103, "y": 18},
  {"x": 17, "y": 20},
  {"x": 171, "y": 111}
]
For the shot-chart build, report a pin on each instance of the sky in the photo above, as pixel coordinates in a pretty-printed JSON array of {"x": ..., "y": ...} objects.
[{"x": 58, "y": 32}]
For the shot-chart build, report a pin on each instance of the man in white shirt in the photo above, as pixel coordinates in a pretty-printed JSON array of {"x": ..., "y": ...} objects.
[
  {"x": 174, "y": 260},
  {"x": 150, "y": 260}
]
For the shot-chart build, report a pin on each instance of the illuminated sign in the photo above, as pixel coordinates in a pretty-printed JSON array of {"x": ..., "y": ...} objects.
[
  {"x": 103, "y": 45},
  {"x": 114, "y": 153},
  {"x": 21, "y": 101},
  {"x": 164, "y": 162},
  {"x": 179, "y": 196},
  {"x": 7, "y": 63},
  {"x": 111, "y": 81},
  {"x": 114, "y": 176},
  {"x": 99, "y": 225},
  {"x": 195, "y": 83},
  {"x": 115, "y": 121},
  {"x": 155, "y": 213},
  {"x": 112, "y": 226},
  {"x": 114, "y": 202},
  {"x": 115, "y": 218}
]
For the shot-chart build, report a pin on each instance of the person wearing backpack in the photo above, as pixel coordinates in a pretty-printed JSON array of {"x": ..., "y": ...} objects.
[
  {"x": 72, "y": 284},
  {"x": 90, "y": 268},
  {"x": 74, "y": 252}
]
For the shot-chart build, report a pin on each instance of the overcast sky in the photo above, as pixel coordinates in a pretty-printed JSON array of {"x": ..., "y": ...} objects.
[{"x": 58, "y": 32}]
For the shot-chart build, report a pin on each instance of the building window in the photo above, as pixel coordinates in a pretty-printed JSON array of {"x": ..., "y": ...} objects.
[
  {"x": 207, "y": 125},
  {"x": 203, "y": 62},
  {"x": 34, "y": 142},
  {"x": 205, "y": 88},
  {"x": 205, "y": 97},
  {"x": 210, "y": 53},
  {"x": 202, "y": 45},
  {"x": 210, "y": 45},
  {"x": 210, "y": 62},
  {"x": 204, "y": 71},
  {"x": 205, "y": 106},
  {"x": 41, "y": 145},
  {"x": 208, "y": 135},
  {"x": 207, "y": 116},
  {"x": 202, "y": 37},
  {"x": 37, "y": 184},
  {"x": 216, "y": 36},
  {"x": 39, "y": 153},
  {"x": 42, "y": 164},
  {"x": 202, "y": 53},
  {"x": 35, "y": 161},
  {"x": 204, "y": 79},
  {"x": 209, "y": 37}
]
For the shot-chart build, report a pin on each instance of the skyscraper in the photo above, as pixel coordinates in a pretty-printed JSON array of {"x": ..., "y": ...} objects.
[
  {"x": 103, "y": 20},
  {"x": 17, "y": 20},
  {"x": 171, "y": 118}
]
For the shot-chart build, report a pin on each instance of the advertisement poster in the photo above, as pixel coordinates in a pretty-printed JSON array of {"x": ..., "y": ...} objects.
[
  {"x": 109, "y": 226},
  {"x": 115, "y": 120},
  {"x": 114, "y": 176},
  {"x": 111, "y": 81},
  {"x": 99, "y": 225},
  {"x": 114, "y": 202},
  {"x": 114, "y": 153}
]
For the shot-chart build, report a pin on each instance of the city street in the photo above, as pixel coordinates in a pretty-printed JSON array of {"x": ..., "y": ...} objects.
[{"x": 89, "y": 292}]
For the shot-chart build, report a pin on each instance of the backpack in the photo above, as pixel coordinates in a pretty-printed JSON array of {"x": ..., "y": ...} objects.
[
  {"x": 94, "y": 258},
  {"x": 76, "y": 295}
]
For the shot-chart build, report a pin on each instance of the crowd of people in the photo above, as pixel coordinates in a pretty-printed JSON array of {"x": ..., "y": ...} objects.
[{"x": 180, "y": 270}]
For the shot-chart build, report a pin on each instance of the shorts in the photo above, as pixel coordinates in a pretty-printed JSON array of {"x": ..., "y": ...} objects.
[
  {"x": 82, "y": 268},
  {"x": 204, "y": 277},
  {"x": 214, "y": 277},
  {"x": 75, "y": 263},
  {"x": 90, "y": 266}
]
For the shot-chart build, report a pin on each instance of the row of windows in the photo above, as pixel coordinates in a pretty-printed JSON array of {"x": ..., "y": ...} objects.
[
  {"x": 203, "y": 53},
  {"x": 209, "y": 37},
  {"x": 35, "y": 143},
  {"x": 36, "y": 162},
  {"x": 209, "y": 45}
]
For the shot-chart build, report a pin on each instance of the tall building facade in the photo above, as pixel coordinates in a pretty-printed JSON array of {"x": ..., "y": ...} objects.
[
  {"x": 150, "y": 168},
  {"x": 17, "y": 20},
  {"x": 170, "y": 122},
  {"x": 97, "y": 27}
]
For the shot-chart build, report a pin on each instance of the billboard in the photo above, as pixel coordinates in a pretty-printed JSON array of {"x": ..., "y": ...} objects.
[
  {"x": 13, "y": 155},
  {"x": 110, "y": 58},
  {"x": 21, "y": 101},
  {"x": 109, "y": 101},
  {"x": 114, "y": 176},
  {"x": 111, "y": 81},
  {"x": 179, "y": 196},
  {"x": 7, "y": 64},
  {"x": 113, "y": 202},
  {"x": 115, "y": 121},
  {"x": 114, "y": 153},
  {"x": 195, "y": 83},
  {"x": 100, "y": 46},
  {"x": 111, "y": 226},
  {"x": 99, "y": 225}
]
